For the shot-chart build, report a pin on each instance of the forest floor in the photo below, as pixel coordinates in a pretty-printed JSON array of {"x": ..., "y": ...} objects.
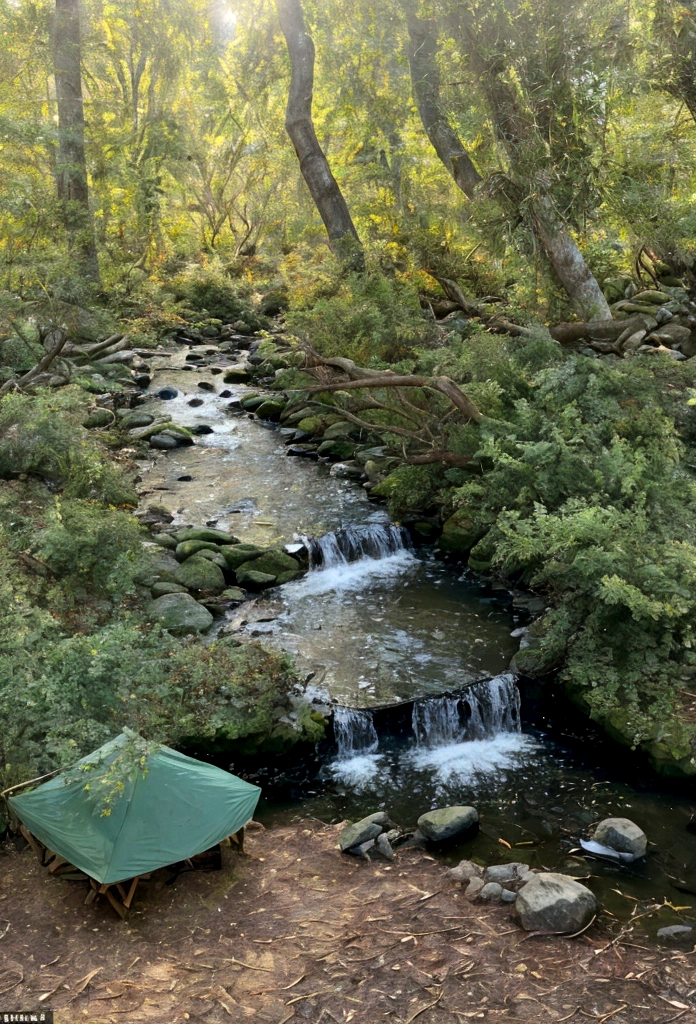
[{"x": 296, "y": 930}]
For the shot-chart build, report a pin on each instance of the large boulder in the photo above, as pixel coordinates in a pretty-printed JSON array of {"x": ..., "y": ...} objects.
[
  {"x": 248, "y": 577},
  {"x": 180, "y": 614},
  {"x": 554, "y": 903},
  {"x": 200, "y": 574},
  {"x": 623, "y": 835},
  {"x": 447, "y": 822},
  {"x": 159, "y": 567},
  {"x": 187, "y": 548}
]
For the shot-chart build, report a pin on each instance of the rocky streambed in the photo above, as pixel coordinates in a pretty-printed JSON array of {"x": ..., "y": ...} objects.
[{"x": 407, "y": 654}]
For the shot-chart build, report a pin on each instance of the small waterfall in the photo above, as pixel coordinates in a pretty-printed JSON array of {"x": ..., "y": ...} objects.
[
  {"x": 355, "y": 732},
  {"x": 485, "y": 710},
  {"x": 355, "y": 543}
]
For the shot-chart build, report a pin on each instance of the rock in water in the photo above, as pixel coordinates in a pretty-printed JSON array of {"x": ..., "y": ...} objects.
[
  {"x": 623, "y": 835},
  {"x": 442, "y": 824},
  {"x": 554, "y": 903},
  {"x": 359, "y": 833},
  {"x": 180, "y": 614}
]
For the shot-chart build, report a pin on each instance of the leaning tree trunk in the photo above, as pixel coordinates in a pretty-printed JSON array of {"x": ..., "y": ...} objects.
[
  {"x": 71, "y": 169},
  {"x": 552, "y": 234},
  {"x": 314, "y": 166},
  {"x": 425, "y": 79}
]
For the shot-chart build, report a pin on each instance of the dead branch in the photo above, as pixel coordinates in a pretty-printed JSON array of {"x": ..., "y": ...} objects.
[
  {"x": 596, "y": 330},
  {"x": 443, "y": 385},
  {"x": 30, "y": 377}
]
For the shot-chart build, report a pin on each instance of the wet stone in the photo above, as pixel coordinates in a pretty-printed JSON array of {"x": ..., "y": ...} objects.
[
  {"x": 359, "y": 833},
  {"x": 166, "y": 394},
  {"x": 447, "y": 822},
  {"x": 623, "y": 835},
  {"x": 195, "y": 402}
]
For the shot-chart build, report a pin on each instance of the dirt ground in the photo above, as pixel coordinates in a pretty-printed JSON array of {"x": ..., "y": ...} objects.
[{"x": 298, "y": 931}]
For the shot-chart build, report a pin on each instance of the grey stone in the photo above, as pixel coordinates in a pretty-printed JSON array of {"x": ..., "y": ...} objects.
[
  {"x": 490, "y": 892},
  {"x": 362, "y": 850},
  {"x": 136, "y": 419},
  {"x": 164, "y": 442},
  {"x": 254, "y": 580},
  {"x": 677, "y": 934},
  {"x": 623, "y": 835},
  {"x": 465, "y": 871},
  {"x": 501, "y": 873},
  {"x": 160, "y": 589},
  {"x": 474, "y": 888},
  {"x": 159, "y": 567},
  {"x": 359, "y": 832},
  {"x": 233, "y": 594},
  {"x": 508, "y": 896},
  {"x": 180, "y": 614},
  {"x": 447, "y": 822},
  {"x": 554, "y": 903},
  {"x": 384, "y": 847}
]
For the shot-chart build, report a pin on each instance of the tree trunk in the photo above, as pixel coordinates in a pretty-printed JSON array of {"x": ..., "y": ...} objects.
[
  {"x": 314, "y": 166},
  {"x": 552, "y": 234},
  {"x": 71, "y": 167},
  {"x": 425, "y": 79}
]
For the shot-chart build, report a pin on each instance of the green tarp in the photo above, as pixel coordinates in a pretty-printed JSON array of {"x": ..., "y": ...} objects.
[{"x": 174, "y": 808}]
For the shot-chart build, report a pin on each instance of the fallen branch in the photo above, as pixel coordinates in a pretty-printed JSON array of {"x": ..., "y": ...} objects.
[
  {"x": 443, "y": 385},
  {"x": 30, "y": 377}
]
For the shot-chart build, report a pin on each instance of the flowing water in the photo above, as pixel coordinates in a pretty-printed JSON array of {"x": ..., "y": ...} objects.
[{"x": 413, "y": 656}]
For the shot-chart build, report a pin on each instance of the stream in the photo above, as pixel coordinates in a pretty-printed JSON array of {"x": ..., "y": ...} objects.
[{"x": 413, "y": 654}]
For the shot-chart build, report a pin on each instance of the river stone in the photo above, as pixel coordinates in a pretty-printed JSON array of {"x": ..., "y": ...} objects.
[
  {"x": 339, "y": 430},
  {"x": 164, "y": 442},
  {"x": 213, "y": 556},
  {"x": 623, "y": 835},
  {"x": 187, "y": 548},
  {"x": 248, "y": 577},
  {"x": 465, "y": 871},
  {"x": 554, "y": 903},
  {"x": 206, "y": 534},
  {"x": 359, "y": 833},
  {"x": 233, "y": 594},
  {"x": 446, "y": 822},
  {"x": 491, "y": 892},
  {"x": 286, "y": 577},
  {"x": 474, "y": 888},
  {"x": 503, "y": 873},
  {"x": 384, "y": 847},
  {"x": 179, "y": 613},
  {"x": 136, "y": 419},
  {"x": 160, "y": 589},
  {"x": 253, "y": 402},
  {"x": 200, "y": 574},
  {"x": 270, "y": 410},
  {"x": 677, "y": 934},
  {"x": 273, "y": 562},
  {"x": 237, "y": 375}
]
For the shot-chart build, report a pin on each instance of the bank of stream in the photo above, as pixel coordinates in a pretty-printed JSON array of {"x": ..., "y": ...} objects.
[{"x": 412, "y": 655}]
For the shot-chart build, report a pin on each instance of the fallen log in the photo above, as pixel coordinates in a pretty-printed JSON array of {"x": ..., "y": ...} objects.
[{"x": 599, "y": 330}]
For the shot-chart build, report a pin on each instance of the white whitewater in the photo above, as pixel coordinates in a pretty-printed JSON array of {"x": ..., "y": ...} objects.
[
  {"x": 355, "y": 543},
  {"x": 357, "y": 742}
]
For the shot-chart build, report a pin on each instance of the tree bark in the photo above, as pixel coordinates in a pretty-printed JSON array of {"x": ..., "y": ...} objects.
[
  {"x": 425, "y": 79},
  {"x": 314, "y": 166},
  {"x": 71, "y": 167}
]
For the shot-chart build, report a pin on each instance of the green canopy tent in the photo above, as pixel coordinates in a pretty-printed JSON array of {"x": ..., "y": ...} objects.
[{"x": 167, "y": 807}]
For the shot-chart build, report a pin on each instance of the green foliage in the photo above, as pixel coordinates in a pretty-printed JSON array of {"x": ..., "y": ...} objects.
[
  {"x": 369, "y": 318},
  {"x": 592, "y": 502},
  {"x": 91, "y": 548},
  {"x": 207, "y": 291},
  {"x": 40, "y": 434}
]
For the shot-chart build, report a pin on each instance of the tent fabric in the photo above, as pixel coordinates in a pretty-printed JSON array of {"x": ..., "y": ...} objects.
[{"x": 176, "y": 808}]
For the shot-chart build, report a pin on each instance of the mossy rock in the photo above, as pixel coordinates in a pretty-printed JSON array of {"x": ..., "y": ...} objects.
[
  {"x": 270, "y": 410},
  {"x": 340, "y": 430},
  {"x": 165, "y": 540},
  {"x": 481, "y": 555},
  {"x": 180, "y": 614},
  {"x": 206, "y": 534},
  {"x": 312, "y": 425},
  {"x": 200, "y": 574},
  {"x": 159, "y": 567},
  {"x": 337, "y": 449},
  {"x": 160, "y": 589},
  {"x": 145, "y": 433},
  {"x": 237, "y": 375},
  {"x": 286, "y": 577},
  {"x": 273, "y": 562},
  {"x": 136, "y": 419},
  {"x": 387, "y": 487},
  {"x": 459, "y": 533},
  {"x": 233, "y": 594},
  {"x": 253, "y": 402},
  {"x": 248, "y": 577},
  {"x": 294, "y": 417},
  {"x": 237, "y": 554},
  {"x": 187, "y": 548},
  {"x": 216, "y": 557}
]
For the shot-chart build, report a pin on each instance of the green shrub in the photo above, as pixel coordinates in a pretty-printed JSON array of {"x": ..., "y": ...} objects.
[
  {"x": 208, "y": 291},
  {"x": 41, "y": 435}
]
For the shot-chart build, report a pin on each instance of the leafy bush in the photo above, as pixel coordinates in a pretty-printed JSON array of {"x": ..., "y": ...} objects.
[
  {"x": 208, "y": 290},
  {"x": 92, "y": 548}
]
